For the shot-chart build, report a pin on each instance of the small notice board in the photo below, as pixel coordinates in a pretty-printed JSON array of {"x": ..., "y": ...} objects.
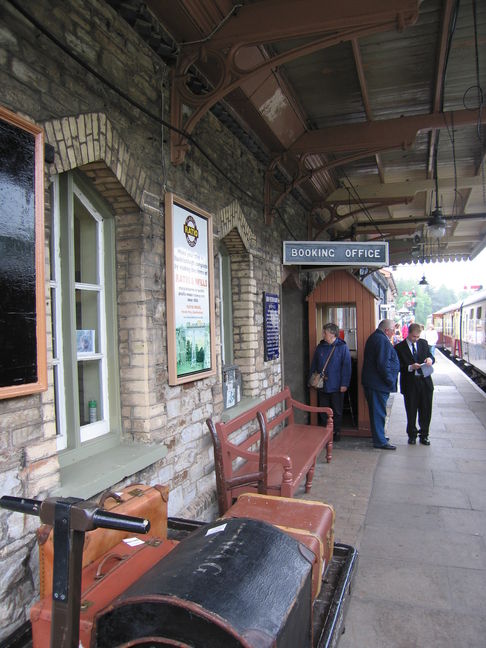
[{"x": 271, "y": 325}]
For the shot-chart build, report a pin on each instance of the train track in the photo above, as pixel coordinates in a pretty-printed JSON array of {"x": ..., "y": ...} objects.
[{"x": 474, "y": 373}]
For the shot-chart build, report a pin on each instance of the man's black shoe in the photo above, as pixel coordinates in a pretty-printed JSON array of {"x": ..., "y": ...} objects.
[
  {"x": 412, "y": 441},
  {"x": 424, "y": 441},
  {"x": 387, "y": 446}
]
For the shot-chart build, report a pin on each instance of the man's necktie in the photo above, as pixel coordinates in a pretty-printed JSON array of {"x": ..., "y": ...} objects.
[{"x": 414, "y": 352}]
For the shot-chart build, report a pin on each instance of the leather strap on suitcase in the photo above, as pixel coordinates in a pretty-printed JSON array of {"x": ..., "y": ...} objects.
[
  {"x": 138, "y": 500},
  {"x": 102, "y": 581},
  {"x": 308, "y": 521}
]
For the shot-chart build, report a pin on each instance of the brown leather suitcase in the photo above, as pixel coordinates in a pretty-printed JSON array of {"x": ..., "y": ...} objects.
[
  {"x": 138, "y": 500},
  {"x": 102, "y": 581},
  {"x": 308, "y": 521}
]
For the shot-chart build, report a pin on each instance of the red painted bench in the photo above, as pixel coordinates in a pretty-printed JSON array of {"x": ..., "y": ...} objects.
[{"x": 264, "y": 449}]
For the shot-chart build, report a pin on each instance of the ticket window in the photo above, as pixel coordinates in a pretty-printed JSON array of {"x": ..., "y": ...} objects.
[{"x": 344, "y": 316}]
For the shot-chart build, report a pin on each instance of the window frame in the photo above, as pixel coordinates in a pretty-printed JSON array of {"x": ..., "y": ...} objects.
[
  {"x": 226, "y": 305},
  {"x": 76, "y": 442}
]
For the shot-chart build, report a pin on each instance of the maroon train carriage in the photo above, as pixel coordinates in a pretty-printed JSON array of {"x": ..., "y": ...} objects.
[{"x": 462, "y": 331}]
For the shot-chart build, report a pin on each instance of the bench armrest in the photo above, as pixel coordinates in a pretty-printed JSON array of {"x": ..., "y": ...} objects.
[
  {"x": 236, "y": 451},
  {"x": 285, "y": 460},
  {"x": 310, "y": 408}
]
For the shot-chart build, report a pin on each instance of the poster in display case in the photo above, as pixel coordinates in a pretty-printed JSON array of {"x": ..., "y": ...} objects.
[{"x": 190, "y": 291}]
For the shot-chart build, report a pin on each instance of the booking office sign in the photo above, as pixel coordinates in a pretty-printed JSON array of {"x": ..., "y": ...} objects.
[
  {"x": 331, "y": 253},
  {"x": 190, "y": 289}
]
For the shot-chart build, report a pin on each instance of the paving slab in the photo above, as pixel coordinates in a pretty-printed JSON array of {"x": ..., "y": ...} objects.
[
  {"x": 405, "y": 582},
  {"x": 382, "y": 624},
  {"x": 421, "y": 536},
  {"x": 418, "y": 516},
  {"x": 469, "y": 521},
  {"x": 417, "y": 494},
  {"x": 403, "y": 475},
  {"x": 428, "y": 547},
  {"x": 471, "y": 465}
]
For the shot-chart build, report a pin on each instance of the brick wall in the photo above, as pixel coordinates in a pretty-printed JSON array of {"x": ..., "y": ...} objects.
[{"x": 124, "y": 152}]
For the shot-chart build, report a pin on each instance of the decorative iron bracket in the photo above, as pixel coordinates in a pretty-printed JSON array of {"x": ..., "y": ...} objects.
[{"x": 220, "y": 59}]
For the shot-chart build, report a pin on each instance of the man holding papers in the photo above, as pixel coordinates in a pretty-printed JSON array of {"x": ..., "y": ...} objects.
[{"x": 416, "y": 383}]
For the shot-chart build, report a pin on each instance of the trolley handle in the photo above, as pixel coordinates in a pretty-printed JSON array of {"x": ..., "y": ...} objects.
[
  {"x": 109, "y": 520},
  {"x": 88, "y": 517},
  {"x": 20, "y": 504}
]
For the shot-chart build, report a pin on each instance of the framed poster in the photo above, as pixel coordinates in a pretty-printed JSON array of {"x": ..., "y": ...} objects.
[
  {"x": 190, "y": 290},
  {"x": 23, "y": 363}
]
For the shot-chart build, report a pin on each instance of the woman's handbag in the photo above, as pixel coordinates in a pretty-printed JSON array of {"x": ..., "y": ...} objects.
[{"x": 317, "y": 379}]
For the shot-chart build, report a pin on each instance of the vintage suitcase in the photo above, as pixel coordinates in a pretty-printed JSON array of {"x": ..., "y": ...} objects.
[
  {"x": 233, "y": 583},
  {"x": 309, "y": 522},
  {"x": 102, "y": 581},
  {"x": 138, "y": 500}
]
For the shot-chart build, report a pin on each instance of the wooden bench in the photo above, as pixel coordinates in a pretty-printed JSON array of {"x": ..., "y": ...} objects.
[{"x": 264, "y": 449}]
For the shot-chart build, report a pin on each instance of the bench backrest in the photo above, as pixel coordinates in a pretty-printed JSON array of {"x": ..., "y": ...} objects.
[
  {"x": 243, "y": 432},
  {"x": 223, "y": 466},
  {"x": 276, "y": 410}
]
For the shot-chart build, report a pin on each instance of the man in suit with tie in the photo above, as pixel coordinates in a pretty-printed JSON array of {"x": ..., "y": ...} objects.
[{"x": 416, "y": 384}]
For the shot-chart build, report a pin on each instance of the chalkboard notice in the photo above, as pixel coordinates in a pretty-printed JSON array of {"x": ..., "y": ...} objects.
[
  {"x": 22, "y": 308},
  {"x": 271, "y": 325}
]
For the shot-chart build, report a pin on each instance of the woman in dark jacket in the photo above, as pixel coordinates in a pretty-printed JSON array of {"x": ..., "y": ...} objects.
[{"x": 338, "y": 372}]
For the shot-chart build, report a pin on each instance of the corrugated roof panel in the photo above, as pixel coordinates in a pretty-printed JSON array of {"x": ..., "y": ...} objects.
[
  {"x": 461, "y": 79},
  {"x": 400, "y": 68},
  {"x": 327, "y": 86}
]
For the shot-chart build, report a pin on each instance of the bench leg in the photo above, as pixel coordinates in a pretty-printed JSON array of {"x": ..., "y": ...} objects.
[
  {"x": 286, "y": 489},
  {"x": 309, "y": 477},
  {"x": 329, "y": 451}
]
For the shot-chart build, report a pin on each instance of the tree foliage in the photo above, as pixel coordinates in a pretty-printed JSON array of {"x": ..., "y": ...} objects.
[{"x": 422, "y": 301}]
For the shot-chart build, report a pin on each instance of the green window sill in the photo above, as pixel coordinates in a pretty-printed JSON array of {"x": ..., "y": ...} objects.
[
  {"x": 243, "y": 406},
  {"x": 100, "y": 472}
]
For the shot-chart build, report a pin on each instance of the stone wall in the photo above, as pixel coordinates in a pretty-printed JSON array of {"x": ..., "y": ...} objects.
[{"x": 93, "y": 125}]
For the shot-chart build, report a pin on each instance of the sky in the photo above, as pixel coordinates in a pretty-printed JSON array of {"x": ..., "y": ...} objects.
[{"x": 453, "y": 274}]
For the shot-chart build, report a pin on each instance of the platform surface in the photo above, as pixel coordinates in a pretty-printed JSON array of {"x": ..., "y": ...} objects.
[{"x": 418, "y": 519}]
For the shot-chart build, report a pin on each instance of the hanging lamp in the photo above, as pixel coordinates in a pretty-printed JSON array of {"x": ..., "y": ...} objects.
[{"x": 436, "y": 226}]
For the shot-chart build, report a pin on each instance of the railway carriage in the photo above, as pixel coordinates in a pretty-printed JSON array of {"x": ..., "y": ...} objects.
[{"x": 461, "y": 327}]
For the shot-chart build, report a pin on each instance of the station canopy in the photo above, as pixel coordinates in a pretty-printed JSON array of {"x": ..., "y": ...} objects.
[{"x": 369, "y": 112}]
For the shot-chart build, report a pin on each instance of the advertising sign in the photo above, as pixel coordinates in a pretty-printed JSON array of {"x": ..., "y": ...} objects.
[{"x": 190, "y": 308}]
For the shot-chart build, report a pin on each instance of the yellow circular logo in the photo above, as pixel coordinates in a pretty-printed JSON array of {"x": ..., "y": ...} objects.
[{"x": 190, "y": 230}]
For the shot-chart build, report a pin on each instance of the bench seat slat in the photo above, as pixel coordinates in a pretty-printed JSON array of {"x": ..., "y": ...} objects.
[{"x": 300, "y": 443}]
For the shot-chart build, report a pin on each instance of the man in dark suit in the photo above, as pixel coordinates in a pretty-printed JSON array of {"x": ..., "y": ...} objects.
[
  {"x": 379, "y": 378},
  {"x": 416, "y": 384}
]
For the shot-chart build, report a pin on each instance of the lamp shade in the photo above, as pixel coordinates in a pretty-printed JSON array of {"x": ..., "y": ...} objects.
[
  {"x": 437, "y": 224},
  {"x": 423, "y": 281}
]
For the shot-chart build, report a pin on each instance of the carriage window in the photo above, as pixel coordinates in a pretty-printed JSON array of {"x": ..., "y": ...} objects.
[{"x": 478, "y": 313}]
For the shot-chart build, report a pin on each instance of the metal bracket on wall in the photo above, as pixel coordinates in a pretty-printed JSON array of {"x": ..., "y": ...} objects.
[{"x": 225, "y": 60}]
